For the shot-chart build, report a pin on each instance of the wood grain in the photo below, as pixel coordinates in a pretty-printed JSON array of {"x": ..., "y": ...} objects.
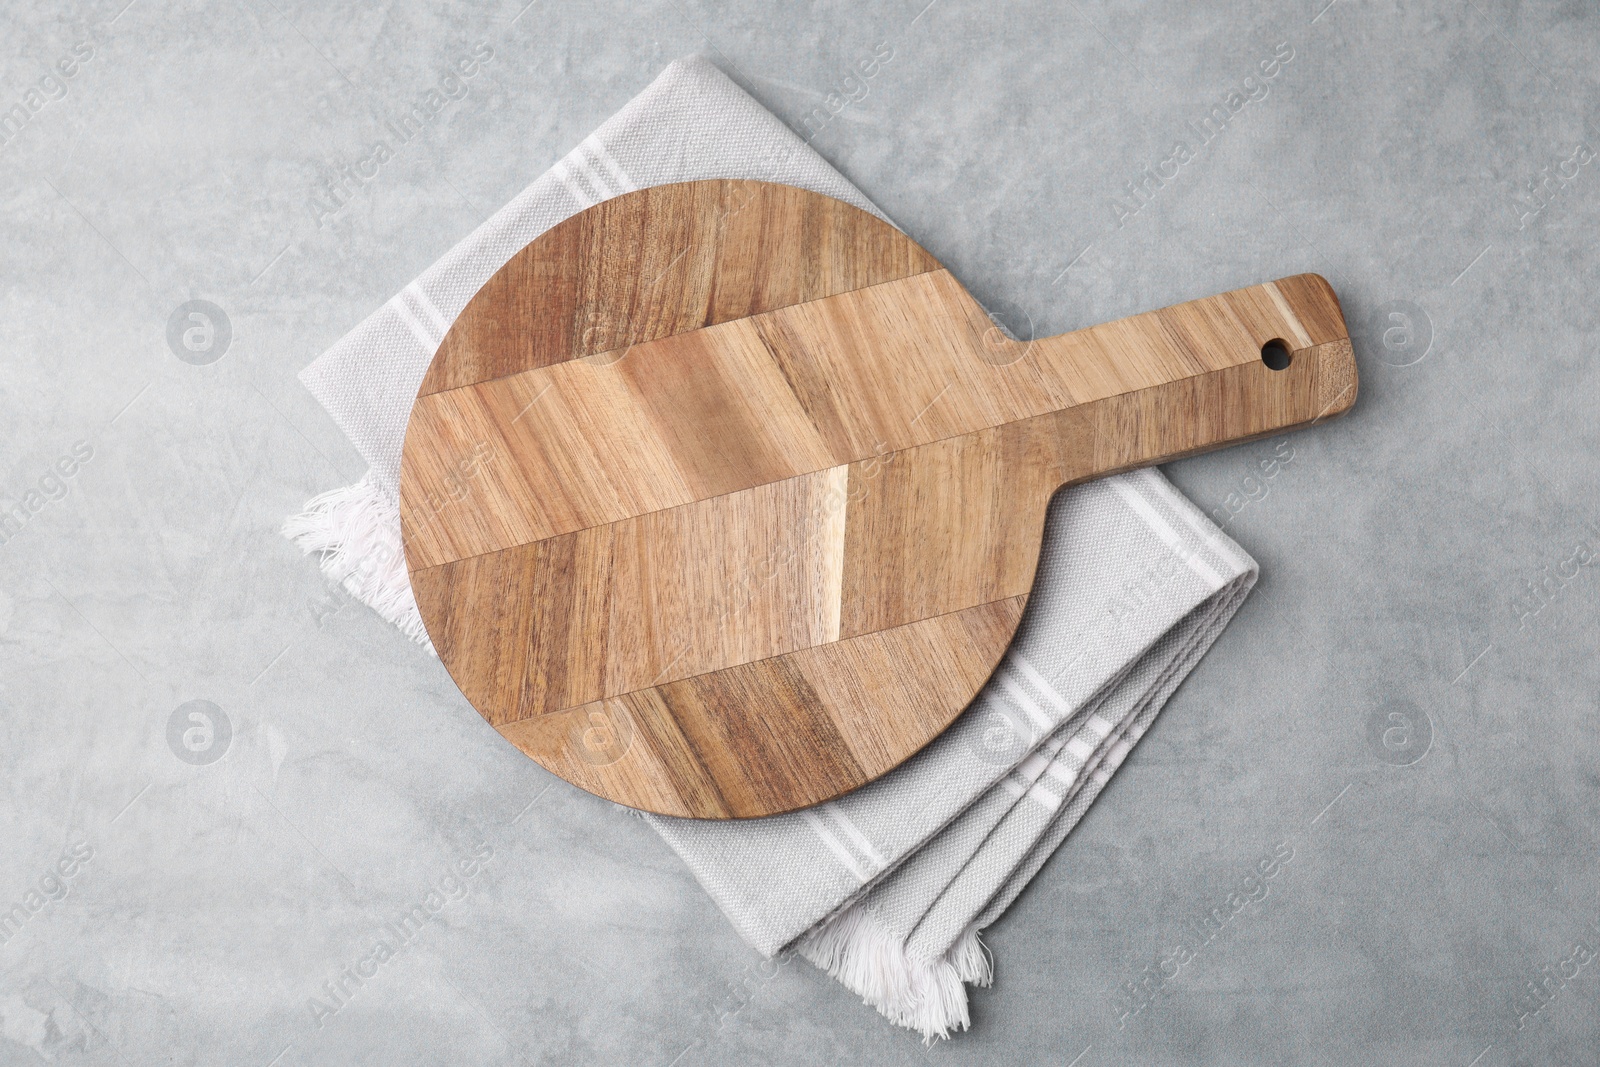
[{"x": 722, "y": 499}]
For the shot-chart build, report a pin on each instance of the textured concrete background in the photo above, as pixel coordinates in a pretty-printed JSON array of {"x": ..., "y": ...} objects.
[{"x": 1406, "y": 703}]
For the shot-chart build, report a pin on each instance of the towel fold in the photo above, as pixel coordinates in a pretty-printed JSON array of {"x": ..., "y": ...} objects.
[{"x": 887, "y": 888}]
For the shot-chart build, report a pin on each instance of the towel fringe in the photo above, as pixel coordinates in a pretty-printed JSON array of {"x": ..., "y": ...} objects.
[
  {"x": 357, "y": 531},
  {"x": 971, "y": 958},
  {"x": 929, "y": 996}
]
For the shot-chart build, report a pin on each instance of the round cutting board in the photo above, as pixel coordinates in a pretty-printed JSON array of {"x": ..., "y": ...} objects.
[{"x": 721, "y": 499}]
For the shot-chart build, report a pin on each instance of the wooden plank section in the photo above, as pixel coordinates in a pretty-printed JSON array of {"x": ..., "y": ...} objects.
[
  {"x": 734, "y": 579},
  {"x": 893, "y": 684},
  {"x": 777, "y": 735},
  {"x": 761, "y": 533},
  {"x": 1315, "y": 305},
  {"x": 663, "y": 261},
  {"x": 955, "y": 523},
  {"x": 798, "y": 389},
  {"x": 664, "y": 596},
  {"x": 547, "y": 607}
]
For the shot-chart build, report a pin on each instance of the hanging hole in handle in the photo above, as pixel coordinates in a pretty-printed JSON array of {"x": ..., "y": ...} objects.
[{"x": 1275, "y": 354}]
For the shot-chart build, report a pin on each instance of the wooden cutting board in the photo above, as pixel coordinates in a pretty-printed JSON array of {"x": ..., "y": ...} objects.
[{"x": 723, "y": 498}]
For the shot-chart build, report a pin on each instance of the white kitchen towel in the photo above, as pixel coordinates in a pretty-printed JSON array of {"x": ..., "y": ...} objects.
[{"x": 886, "y": 888}]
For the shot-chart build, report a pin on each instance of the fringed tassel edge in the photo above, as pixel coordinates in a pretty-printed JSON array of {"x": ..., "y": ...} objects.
[
  {"x": 928, "y": 996},
  {"x": 972, "y": 959},
  {"x": 357, "y": 531}
]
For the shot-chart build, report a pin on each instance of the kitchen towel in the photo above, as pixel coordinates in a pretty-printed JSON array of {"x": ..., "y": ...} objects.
[{"x": 887, "y": 888}]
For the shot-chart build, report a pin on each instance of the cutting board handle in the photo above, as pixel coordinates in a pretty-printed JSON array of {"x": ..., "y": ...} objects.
[{"x": 1196, "y": 376}]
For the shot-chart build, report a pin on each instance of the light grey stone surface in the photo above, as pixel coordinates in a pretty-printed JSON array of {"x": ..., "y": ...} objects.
[{"x": 1440, "y": 859}]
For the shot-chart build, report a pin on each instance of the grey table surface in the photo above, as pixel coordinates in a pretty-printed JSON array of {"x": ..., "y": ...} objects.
[{"x": 1406, "y": 702}]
